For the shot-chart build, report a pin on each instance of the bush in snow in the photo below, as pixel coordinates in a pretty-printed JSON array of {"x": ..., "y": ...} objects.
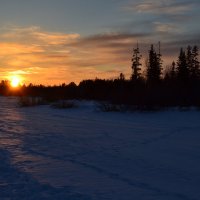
[
  {"x": 63, "y": 104},
  {"x": 109, "y": 107},
  {"x": 26, "y": 101}
]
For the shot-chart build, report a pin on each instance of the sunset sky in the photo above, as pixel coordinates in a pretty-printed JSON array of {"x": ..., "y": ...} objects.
[{"x": 57, "y": 41}]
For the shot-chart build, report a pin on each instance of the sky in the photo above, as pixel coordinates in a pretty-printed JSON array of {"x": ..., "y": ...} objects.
[{"x": 61, "y": 41}]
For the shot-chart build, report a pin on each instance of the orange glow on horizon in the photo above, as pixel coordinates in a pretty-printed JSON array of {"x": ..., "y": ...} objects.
[{"x": 15, "y": 81}]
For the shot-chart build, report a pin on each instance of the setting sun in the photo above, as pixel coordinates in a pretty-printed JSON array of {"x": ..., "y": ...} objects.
[{"x": 15, "y": 81}]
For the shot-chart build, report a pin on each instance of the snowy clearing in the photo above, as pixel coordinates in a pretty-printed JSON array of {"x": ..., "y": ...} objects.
[{"x": 84, "y": 154}]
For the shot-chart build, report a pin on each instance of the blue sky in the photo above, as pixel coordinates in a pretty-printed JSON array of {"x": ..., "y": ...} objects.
[
  {"x": 69, "y": 37},
  {"x": 85, "y": 17}
]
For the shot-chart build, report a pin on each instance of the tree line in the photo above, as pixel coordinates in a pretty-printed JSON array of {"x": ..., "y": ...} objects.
[
  {"x": 186, "y": 69},
  {"x": 178, "y": 86}
]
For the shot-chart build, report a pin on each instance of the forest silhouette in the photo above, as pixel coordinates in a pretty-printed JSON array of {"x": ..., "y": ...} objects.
[{"x": 154, "y": 89}]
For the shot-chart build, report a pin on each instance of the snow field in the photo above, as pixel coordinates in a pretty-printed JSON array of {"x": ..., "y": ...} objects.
[{"x": 82, "y": 153}]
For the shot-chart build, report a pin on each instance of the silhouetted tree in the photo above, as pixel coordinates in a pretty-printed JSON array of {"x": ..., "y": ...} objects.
[
  {"x": 121, "y": 77},
  {"x": 154, "y": 66},
  {"x": 180, "y": 86},
  {"x": 159, "y": 58},
  {"x": 189, "y": 58},
  {"x": 172, "y": 73},
  {"x": 136, "y": 64},
  {"x": 195, "y": 65},
  {"x": 182, "y": 67}
]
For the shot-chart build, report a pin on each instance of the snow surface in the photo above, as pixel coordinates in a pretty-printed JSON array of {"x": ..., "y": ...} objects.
[{"x": 84, "y": 154}]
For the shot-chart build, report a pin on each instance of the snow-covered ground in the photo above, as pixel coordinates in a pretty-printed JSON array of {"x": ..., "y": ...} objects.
[{"x": 84, "y": 154}]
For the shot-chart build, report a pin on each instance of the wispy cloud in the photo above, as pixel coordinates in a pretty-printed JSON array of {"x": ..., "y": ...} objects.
[
  {"x": 165, "y": 27},
  {"x": 162, "y": 6},
  {"x": 46, "y": 57},
  {"x": 34, "y": 35},
  {"x": 30, "y": 50},
  {"x": 52, "y": 58},
  {"x": 163, "y": 19}
]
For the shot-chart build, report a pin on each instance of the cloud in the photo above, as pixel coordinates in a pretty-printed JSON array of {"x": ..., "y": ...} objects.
[
  {"x": 20, "y": 72},
  {"x": 30, "y": 50},
  {"x": 163, "y": 19},
  {"x": 106, "y": 51},
  {"x": 34, "y": 35},
  {"x": 11, "y": 48},
  {"x": 53, "y": 58},
  {"x": 165, "y": 27},
  {"x": 32, "y": 46},
  {"x": 111, "y": 38},
  {"x": 162, "y": 7}
]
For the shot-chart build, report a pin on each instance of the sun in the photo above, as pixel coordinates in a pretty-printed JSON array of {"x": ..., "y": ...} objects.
[{"x": 15, "y": 81}]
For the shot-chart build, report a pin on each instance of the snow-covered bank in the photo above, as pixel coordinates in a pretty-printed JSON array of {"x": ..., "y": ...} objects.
[{"x": 85, "y": 154}]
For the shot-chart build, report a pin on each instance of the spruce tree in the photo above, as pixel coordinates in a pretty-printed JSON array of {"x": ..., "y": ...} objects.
[
  {"x": 195, "y": 65},
  {"x": 173, "y": 71},
  {"x": 136, "y": 64},
  {"x": 189, "y": 59},
  {"x": 154, "y": 66},
  {"x": 182, "y": 67},
  {"x": 159, "y": 58}
]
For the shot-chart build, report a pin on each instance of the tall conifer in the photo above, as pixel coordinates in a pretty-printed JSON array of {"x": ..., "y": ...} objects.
[{"x": 136, "y": 64}]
